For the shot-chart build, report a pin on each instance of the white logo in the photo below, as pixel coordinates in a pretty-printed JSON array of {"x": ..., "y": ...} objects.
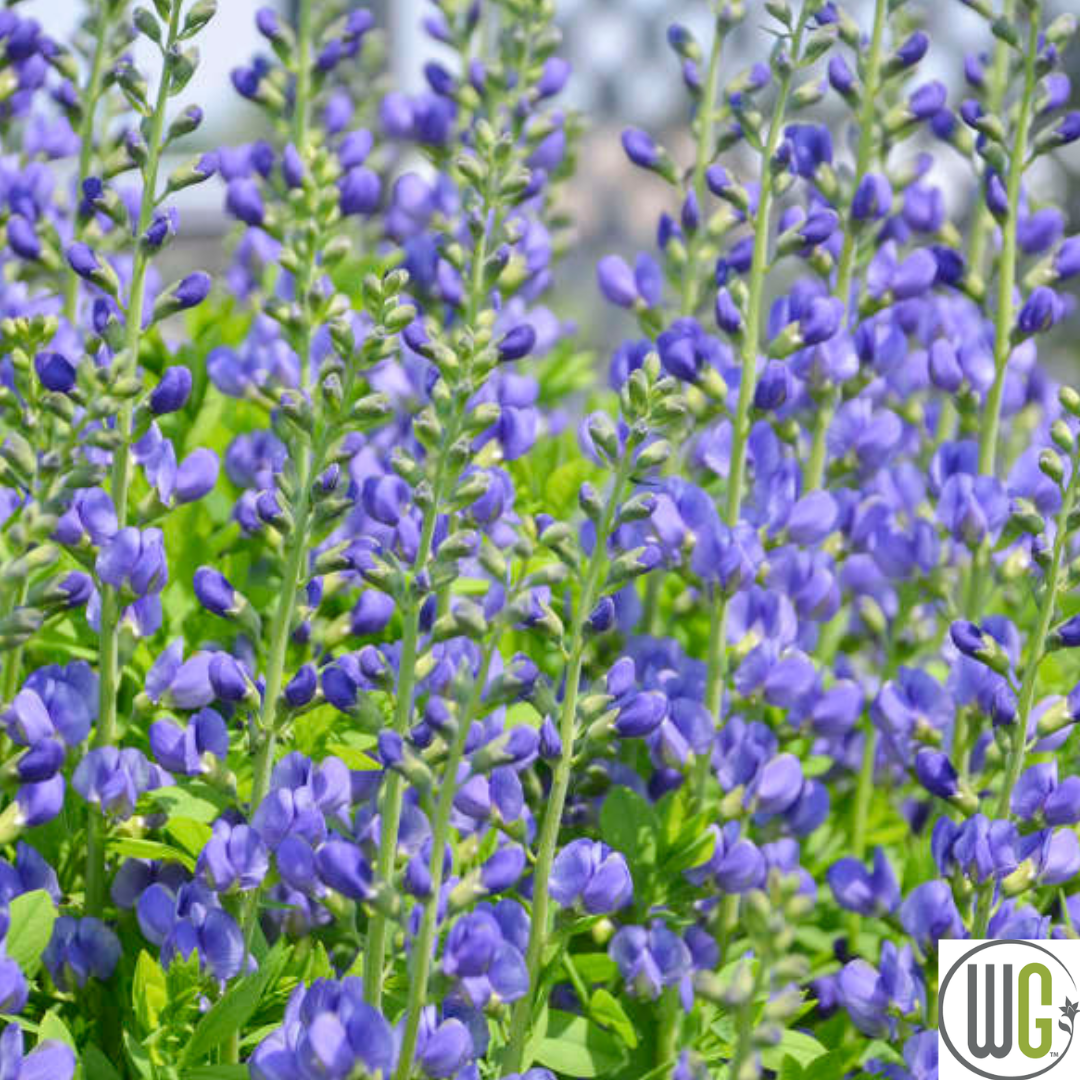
[{"x": 1007, "y": 1009}]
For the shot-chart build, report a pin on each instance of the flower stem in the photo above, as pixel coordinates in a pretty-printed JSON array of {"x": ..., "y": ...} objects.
[
  {"x": 845, "y": 272},
  {"x": 109, "y": 636},
  {"x": 1003, "y": 321},
  {"x": 702, "y": 157},
  {"x": 302, "y": 109},
  {"x": 667, "y": 1042},
  {"x": 717, "y": 658},
  {"x": 13, "y": 658},
  {"x": 308, "y": 464},
  {"x": 1019, "y": 732},
  {"x": 393, "y": 785},
  {"x": 1005, "y": 311},
  {"x": 424, "y": 945},
  {"x": 744, "y": 1025},
  {"x": 560, "y": 783},
  {"x": 86, "y": 142},
  {"x": 995, "y": 96},
  {"x": 864, "y": 789}
]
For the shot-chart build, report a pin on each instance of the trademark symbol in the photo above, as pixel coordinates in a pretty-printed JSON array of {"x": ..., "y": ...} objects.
[{"x": 1053, "y": 1053}]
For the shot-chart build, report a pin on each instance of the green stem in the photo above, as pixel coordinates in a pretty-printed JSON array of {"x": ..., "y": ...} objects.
[
  {"x": 13, "y": 659},
  {"x": 845, "y": 272},
  {"x": 864, "y": 791},
  {"x": 667, "y": 1042},
  {"x": 702, "y": 157},
  {"x": 86, "y": 142},
  {"x": 309, "y": 460},
  {"x": 717, "y": 658},
  {"x": 1003, "y": 321},
  {"x": 109, "y": 646},
  {"x": 1017, "y": 750},
  {"x": 302, "y": 110},
  {"x": 425, "y": 939},
  {"x": 995, "y": 96},
  {"x": 1005, "y": 311},
  {"x": 560, "y": 783},
  {"x": 393, "y": 784},
  {"x": 745, "y": 1026},
  {"x": 394, "y": 787}
]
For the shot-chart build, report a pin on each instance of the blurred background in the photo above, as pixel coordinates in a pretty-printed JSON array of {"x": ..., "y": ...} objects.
[{"x": 624, "y": 73}]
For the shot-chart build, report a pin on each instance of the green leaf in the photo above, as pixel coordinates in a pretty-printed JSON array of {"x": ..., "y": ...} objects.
[
  {"x": 96, "y": 1066},
  {"x": 573, "y": 1046},
  {"x": 828, "y": 1066},
  {"x": 32, "y": 918},
  {"x": 356, "y": 759},
  {"x": 235, "y": 1008},
  {"x": 137, "y": 1055},
  {"x": 52, "y": 1027},
  {"x": 215, "y": 1072},
  {"x": 200, "y": 802},
  {"x": 563, "y": 483},
  {"x": 628, "y": 824},
  {"x": 606, "y": 1009},
  {"x": 791, "y": 1069},
  {"x": 881, "y": 1051},
  {"x": 191, "y": 835},
  {"x": 149, "y": 992},
  {"x": 136, "y": 848},
  {"x": 697, "y": 851},
  {"x": 797, "y": 1044},
  {"x": 595, "y": 967}
]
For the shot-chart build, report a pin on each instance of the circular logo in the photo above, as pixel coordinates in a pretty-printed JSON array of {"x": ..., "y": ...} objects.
[{"x": 1007, "y": 1010}]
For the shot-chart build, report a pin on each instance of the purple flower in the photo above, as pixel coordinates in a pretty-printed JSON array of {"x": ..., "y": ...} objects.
[
  {"x": 359, "y": 191},
  {"x": 244, "y": 201},
  {"x": 192, "y": 290},
  {"x": 327, "y": 1026},
  {"x": 912, "y": 49},
  {"x": 867, "y": 892},
  {"x": 1042, "y": 309},
  {"x": 936, "y": 773},
  {"x": 190, "y": 750},
  {"x": 79, "y": 949},
  {"x": 56, "y": 371},
  {"x": 114, "y": 779},
  {"x": 52, "y": 1059},
  {"x": 82, "y": 260},
  {"x": 22, "y": 238},
  {"x": 640, "y": 148},
  {"x": 214, "y": 592},
  {"x": 872, "y": 199},
  {"x": 233, "y": 857},
  {"x": 590, "y": 873},
  {"x": 617, "y": 281},
  {"x": 650, "y": 960},
  {"x": 135, "y": 560},
  {"x": 484, "y": 951},
  {"x": 172, "y": 391},
  {"x": 929, "y": 913},
  {"x": 190, "y": 922},
  {"x": 516, "y": 343},
  {"x": 196, "y": 475},
  {"x": 343, "y": 868}
]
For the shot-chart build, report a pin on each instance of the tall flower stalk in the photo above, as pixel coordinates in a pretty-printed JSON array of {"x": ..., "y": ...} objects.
[{"x": 109, "y": 666}]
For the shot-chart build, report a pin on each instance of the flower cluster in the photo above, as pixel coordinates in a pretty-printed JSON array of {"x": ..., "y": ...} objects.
[{"x": 384, "y": 695}]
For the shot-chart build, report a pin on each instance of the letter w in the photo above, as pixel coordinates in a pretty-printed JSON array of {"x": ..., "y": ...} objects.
[{"x": 990, "y": 1046}]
